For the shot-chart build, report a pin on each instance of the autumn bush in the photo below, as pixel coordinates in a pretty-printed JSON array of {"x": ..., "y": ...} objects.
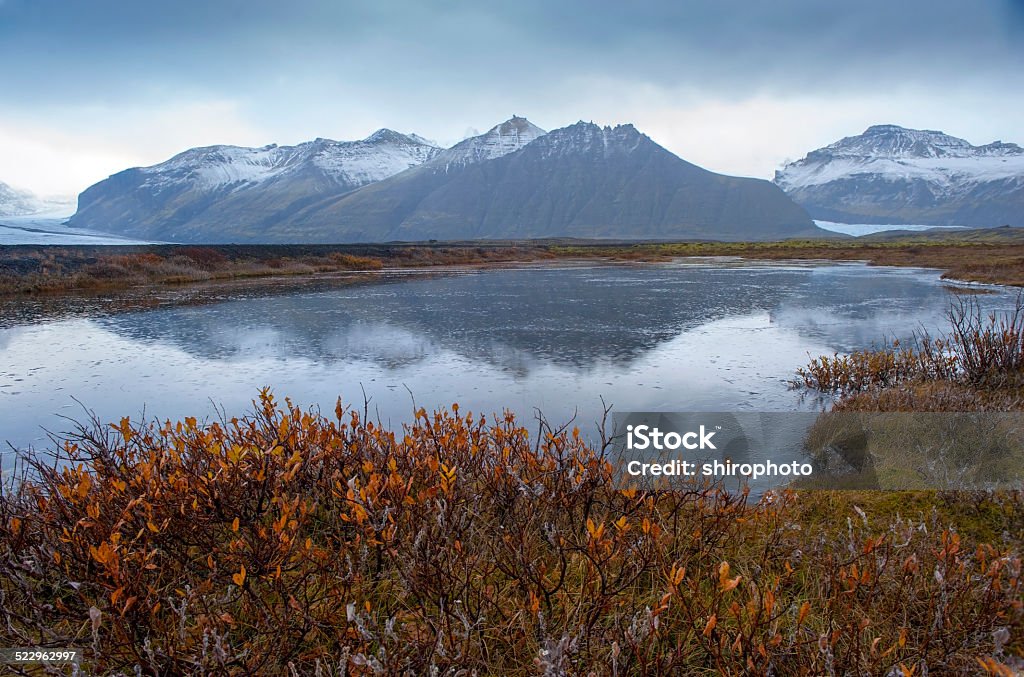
[
  {"x": 289, "y": 542},
  {"x": 978, "y": 363},
  {"x": 353, "y": 262},
  {"x": 207, "y": 258}
]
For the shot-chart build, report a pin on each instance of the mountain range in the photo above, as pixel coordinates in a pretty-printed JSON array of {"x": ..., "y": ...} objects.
[
  {"x": 890, "y": 174},
  {"x": 518, "y": 181},
  {"x": 514, "y": 181}
]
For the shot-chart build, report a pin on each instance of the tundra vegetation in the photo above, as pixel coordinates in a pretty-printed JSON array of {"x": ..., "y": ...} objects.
[
  {"x": 292, "y": 542},
  {"x": 47, "y": 270},
  {"x": 992, "y": 256}
]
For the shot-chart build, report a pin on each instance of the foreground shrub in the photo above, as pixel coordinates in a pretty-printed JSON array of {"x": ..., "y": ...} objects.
[{"x": 292, "y": 542}]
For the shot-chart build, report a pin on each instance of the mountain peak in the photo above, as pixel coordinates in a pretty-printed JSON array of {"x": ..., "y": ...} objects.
[
  {"x": 502, "y": 139},
  {"x": 516, "y": 125},
  {"x": 624, "y": 137},
  {"x": 896, "y": 142},
  {"x": 890, "y": 129},
  {"x": 385, "y": 135},
  {"x": 517, "y": 130},
  {"x": 591, "y": 126}
]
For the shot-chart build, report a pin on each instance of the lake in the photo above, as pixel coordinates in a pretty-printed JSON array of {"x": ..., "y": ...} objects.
[{"x": 692, "y": 335}]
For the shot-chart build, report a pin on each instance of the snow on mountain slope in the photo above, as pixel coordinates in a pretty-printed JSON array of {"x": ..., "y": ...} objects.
[
  {"x": 351, "y": 163},
  {"x": 203, "y": 189},
  {"x": 896, "y": 153},
  {"x": 584, "y": 137},
  {"x": 14, "y": 202},
  {"x": 382, "y": 154},
  {"x": 579, "y": 181},
  {"x": 913, "y": 175},
  {"x": 502, "y": 139}
]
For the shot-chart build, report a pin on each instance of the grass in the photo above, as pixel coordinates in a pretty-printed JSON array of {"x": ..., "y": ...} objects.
[
  {"x": 997, "y": 258},
  {"x": 50, "y": 269},
  {"x": 288, "y": 542},
  {"x": 959, "y": 259}
]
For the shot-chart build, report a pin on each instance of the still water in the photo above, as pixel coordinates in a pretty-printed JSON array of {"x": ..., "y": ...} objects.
[{"x": 686, "y": 336}]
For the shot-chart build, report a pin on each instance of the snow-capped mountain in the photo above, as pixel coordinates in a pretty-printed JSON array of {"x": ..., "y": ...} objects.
[
  {"x": 514, "y": 181},
  {"x": 502, "y": 139},
  {"x": 579, "y": 181},
  {"x": 207, "y": 188},
  {"x": 14, "y": 202},
  {"x": 890, "y": 174},
  {"x": 349, "y": 163}
]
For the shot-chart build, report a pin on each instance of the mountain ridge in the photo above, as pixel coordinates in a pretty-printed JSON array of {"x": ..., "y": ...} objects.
[
  {"x": 893, "y": 174},
  {"x": 513, "y": 181},
  {"x": 577, "y": 181},
  {"x": 197, "y": 189}
]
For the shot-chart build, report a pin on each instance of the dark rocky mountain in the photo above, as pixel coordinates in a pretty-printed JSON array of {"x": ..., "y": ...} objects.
[
  {"x": 580, "y": 181},
  {"x": 890, "y": 174},
  {"x": 515, "y": 181}
]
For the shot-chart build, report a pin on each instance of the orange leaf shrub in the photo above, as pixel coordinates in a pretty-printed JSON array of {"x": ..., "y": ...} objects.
[{"x": 291, "y": 542}]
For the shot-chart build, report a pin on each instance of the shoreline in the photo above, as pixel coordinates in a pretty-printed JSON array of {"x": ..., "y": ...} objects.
[{"x": 54, "y": 271}]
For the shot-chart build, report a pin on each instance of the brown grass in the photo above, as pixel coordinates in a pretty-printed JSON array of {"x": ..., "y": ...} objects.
[
  {"x": 993, "y": 263},
  {"x": 42, "y": 270},
  {"x": 47, "y": 269}
]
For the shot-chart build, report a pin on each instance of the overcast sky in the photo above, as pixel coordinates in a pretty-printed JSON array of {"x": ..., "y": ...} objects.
[{"x": 90, "y": 88}]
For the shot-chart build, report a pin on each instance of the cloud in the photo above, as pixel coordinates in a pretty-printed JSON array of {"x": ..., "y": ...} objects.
[
  {"x": 124, "y": 81},
  {"x": 113, "y": 48}
]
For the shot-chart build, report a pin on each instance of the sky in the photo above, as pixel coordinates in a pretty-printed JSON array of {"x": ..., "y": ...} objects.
[{"x": 740, "y": 87}]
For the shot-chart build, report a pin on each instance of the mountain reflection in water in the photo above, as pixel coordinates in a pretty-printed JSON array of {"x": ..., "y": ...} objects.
[{"x": 669, "y": 337}]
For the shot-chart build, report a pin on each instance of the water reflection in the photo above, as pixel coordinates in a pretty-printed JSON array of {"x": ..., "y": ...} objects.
[
  {"x": 656, "y": 337},
  {"x": 576, "y": 317}
]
